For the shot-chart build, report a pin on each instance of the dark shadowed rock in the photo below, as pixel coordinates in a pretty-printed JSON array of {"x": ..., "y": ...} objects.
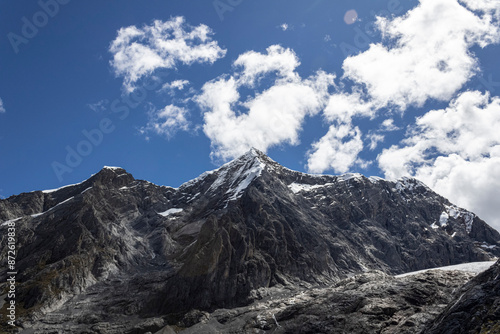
[{"x": 475, "y": 308}]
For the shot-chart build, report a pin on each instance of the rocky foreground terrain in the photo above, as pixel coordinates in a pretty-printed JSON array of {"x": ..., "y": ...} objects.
[
  {"x": 475, "y": 308},
  {"x": 373, "y": 302},
  {"x": 251, "y": 247}
]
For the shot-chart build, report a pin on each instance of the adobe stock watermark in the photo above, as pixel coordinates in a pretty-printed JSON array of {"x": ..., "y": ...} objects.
[
  {"x": 223, "y": 6},
  {"x": 120, "y": 108},
  {"x": 32, "y": 25},
  {"x": 365, "y": 34},
  {"x": 11, "y": 272},
  {"x": 488, "y": 84}
]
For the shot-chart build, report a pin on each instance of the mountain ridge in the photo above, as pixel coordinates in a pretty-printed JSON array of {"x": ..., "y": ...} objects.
[
  {"x": 215, "y": 240},
  {"x": 252, "y": 156}
]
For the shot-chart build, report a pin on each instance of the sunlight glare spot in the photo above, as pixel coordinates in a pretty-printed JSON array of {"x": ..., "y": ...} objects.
[{"x": 350, "y": 16}]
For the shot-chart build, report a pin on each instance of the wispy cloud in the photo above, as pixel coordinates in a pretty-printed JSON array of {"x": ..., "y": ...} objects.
[
  {"x": 284, "y": 26},
  {"x": 2, "y": 108},
  {"x": 99, "y": 106},
  {"x": 138, "y": 52},
  {"x": 167, "y": 121},
  {"x": 377, "y": 136},
  {"x": 375, "y": 139},
  {"x": 175, "y": 85}
]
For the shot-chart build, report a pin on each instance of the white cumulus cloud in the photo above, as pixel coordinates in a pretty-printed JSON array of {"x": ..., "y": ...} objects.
[
  {"x": 254, "y": 65},
  {"x": 375, "y": 139},
  {"x": 342, "y": 107},
  {"x": 167, "y": 121},
  {"x": 425, "y": 54},
  {"x": 337, "y": 150},
  {"x": 171, "y": 88},
  {"x": 2, "y": 108},
  {"x": 388, "y": 125},
  {"x": 176, "y": 84},
  {"x": 273, "y": 116},
  {"x": 138, "y": 52},
  {"x": 455, "y": 151}
]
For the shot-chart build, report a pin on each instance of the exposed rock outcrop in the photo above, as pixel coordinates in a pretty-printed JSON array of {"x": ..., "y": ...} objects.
[{"x": 475, "y": 309}]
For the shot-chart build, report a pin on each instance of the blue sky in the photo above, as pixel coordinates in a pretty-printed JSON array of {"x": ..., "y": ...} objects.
[{"x": 169, "y": 89}]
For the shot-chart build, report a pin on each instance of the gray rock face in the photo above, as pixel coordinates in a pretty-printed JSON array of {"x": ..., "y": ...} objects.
[
  {"x": 373, "y": 302},
  {"x": 113, "y": 251},
  {"x": 475, "y": 308}
]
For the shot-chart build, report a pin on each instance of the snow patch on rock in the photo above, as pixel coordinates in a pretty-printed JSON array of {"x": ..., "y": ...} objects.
[
  {"x": 170, "y": 212},
  {"x": 459, "y": 213},
  {"x": 471, "y": 267},
  {"x": 10, "y": 221},
  {"x": 443, "y": 219}
]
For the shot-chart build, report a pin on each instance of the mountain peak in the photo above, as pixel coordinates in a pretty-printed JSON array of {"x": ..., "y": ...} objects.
[
  {"x": 253, "y": 151},
  {"x": 252, "y": 154},
  {"x": 109, "y": 169},
  {"x": 113, "y": 168},
  {"x": 107, "y": 175},
  {"x": 232, "y": 178},
  {"x": 259, "y": 157},
  {"x": 112, "y": 175}
]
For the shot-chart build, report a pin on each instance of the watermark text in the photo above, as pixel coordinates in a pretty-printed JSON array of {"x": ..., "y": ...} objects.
[
  {"x": 120, "y": 108},
  {"x": 11, "y": 272},
  {"x": 223, "y": 6},
  {"x": 31, "y": 26}
]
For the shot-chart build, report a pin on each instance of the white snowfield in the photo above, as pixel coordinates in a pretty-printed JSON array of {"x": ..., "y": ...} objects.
[
  {"x": 48, "y": 191},
  {"x": 238, "y": 174},
  {"x": 170, "y": 212},
  {"x": 471, "y": 267},
  {"x": 297, "y": 187}
]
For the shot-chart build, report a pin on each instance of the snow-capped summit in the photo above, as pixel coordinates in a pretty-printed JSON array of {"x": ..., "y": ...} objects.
[{"x": 232, "y": 178}]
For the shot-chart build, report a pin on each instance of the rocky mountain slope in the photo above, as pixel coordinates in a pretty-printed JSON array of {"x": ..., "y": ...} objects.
[
  {"x": 475, "y": 308},
  {"x": 117, "y": 255}
]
